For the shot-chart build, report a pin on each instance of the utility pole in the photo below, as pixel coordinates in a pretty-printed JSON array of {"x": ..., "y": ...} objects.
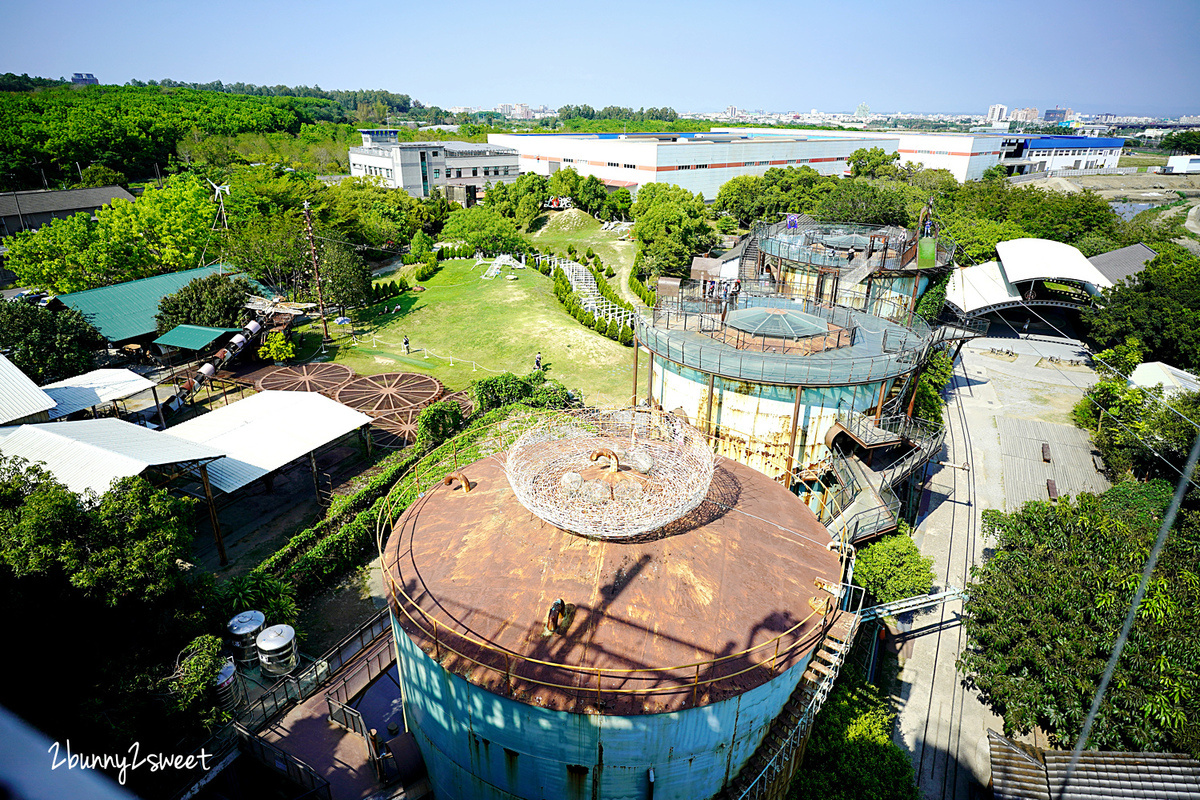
[{"x": 312, "y": 249}]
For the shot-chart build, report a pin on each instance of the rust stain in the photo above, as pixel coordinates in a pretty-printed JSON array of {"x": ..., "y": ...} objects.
[{"x": 713, "y": 583}]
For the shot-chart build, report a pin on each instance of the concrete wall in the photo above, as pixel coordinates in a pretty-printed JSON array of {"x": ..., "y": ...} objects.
[{"x": 477, "y": 744}]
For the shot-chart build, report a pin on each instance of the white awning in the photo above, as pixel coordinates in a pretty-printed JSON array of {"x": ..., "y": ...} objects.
[
  {"x": 1042, "y": 259},
  {"x": 266, "y": 431},
  {"x": 980, "y": 286},
  {"x": 91, "y": 453},
  {"x": 92, "y": 389}
]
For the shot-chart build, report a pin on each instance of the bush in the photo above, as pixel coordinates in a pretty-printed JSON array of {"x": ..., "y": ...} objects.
[
  {"x": 277, "y": 347},
  {"x": 626, "y": 336},
  {"x": 591, "y": 253},
  {"x": 893, "y": 569},
  {"x": 609, "y": 272},
  {"x": 436, "y": 423}
]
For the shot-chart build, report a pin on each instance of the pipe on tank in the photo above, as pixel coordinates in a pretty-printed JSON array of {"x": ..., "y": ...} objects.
[
  {"x": 604, "y": 452},
  {"x": 460, "y": 477}
]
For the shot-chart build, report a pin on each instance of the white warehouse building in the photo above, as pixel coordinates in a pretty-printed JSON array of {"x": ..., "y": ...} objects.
[
  {"x": 418, "y": 167},
  {"x": 699, "y": 162}
]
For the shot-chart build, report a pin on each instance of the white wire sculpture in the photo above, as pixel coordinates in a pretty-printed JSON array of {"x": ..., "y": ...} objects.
[{"x": 610, "y": 474}]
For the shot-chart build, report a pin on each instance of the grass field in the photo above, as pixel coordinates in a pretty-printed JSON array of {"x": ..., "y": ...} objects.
[
  {"x": 1143, "y": 160},
  {"x": 561, "y": 228},
  {"x": 472, "y": 328}
]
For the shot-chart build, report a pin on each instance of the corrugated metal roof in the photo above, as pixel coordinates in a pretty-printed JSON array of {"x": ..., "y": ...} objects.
[
  {"x": 1159, "y": 373},
  {"x": 41, "y": 201},
  {"x": 1022, "y": 772},
  {"x": 92, "y": 389},
  {"x": 126, "y": 310},
  {"x": 267, "y": 430},
  {"x": 91, "y": 453},
  {"x": 1117, "y": 265},
  {"x": 19, "y": 396},
  {"x": 192, "y": 337}
]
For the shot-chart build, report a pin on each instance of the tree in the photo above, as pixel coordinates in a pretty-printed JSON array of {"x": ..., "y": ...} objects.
[
  {"x": 742, "y": 198},
  {"x": 863, "y": 202},
  {"x": 46, "y": 345},
  {"x": 892, "y": 569},
  {"x": 619, "y": 204},
  {"x": 165, "y": 230},
  {"x": 590, "y": 195},
  {"x": 1046, "y": 607},
  {"x": 564, "y": 183},
  {"x": 870, "y": 163},
  {"x": 126, "y": 545},
  {"x": 850, "y": 754},
  {"x": 273, "y": 250},
  {"x": 421, "y": 245},
  {"x": 484, "y": 229},
  {"x": 277, "y": 347},
  {"x": 214, "y": 301},
  {"x": 1184, "y": 142},
  {"x": 996, "y": 172},
  {"x": 100, "y": 175},
  {"x": 345, "y": 278}
]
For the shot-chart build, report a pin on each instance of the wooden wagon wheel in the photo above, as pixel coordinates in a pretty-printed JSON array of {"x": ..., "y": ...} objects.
[
  {"x": 464, "y": 401},
  {"x": 323, "y": 378},
  {"x": 397, "y": 428},
  {"x": 394, "y": 391}
]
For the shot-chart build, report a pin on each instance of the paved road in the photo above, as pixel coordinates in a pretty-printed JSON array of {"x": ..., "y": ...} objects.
[{"x": 943, "y": 726}]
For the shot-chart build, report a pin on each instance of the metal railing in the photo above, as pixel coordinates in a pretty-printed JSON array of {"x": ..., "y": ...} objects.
[
  {"x": 797, "y": 735},
  {"x": 284, "y": 763}
]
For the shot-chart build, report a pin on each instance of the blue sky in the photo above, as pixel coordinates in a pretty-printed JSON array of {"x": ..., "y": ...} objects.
[{"x": 1091, "y": 55}]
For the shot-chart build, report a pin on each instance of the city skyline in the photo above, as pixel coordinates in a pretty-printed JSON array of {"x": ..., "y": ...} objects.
[{"x": 645, "y": 56}]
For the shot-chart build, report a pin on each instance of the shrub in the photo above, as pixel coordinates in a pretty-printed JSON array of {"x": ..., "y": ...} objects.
[
  {"x": 436, "y": 423},
  {"x": 277, "y": 347},
  {"x": 609, "y": 272},
  {"x": 591, "y": 253},
  {"x": 893, "y": 569},
  {"x": 626, "y": 335},
  {"x": 401, "y": 285}
]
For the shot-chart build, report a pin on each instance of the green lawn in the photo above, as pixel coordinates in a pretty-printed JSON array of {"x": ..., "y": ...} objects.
[
  {"x": 549, "y": 232},
  {"x": 472, "y": 328},
  {"x": 1142, "y": 160}
]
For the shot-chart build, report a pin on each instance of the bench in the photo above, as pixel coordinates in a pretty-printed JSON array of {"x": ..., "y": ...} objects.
[
  {"x": 1045, "y": 452},
  {"x": 1098, "y": 462},
  {"x": 1051, "y": 488}
]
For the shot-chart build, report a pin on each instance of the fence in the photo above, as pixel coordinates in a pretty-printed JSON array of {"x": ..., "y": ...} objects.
[
  {"x": 374, "y": 663},
  {"x": 286, "y": 764},
  {"x": 584, "y": 283}
]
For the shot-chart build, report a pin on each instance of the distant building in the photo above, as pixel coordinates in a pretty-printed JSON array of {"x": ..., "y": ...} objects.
[
  {"x": 731, "y": 111},
  {"x": 28, "y": 211},
  {"x": 1024, "y": 115},
  {"x": 863, "y": 111},
  {"x": 84, "y": 79},
  {"x": 997, "y": 112},
  {"x": 1055, "y": 115},
  {"x": 418, "y": 167},
  {"x": 1073, "y": 152},
  {"x": 505, "y": 108},
  {"x": 1183, "y": 164},
  {"x": 522, "y": 111}
]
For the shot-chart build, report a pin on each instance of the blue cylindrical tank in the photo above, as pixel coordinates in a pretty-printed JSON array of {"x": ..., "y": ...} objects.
[{"x": 674, "y": 652}]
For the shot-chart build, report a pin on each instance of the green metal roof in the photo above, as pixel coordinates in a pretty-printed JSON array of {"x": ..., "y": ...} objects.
[
  {"x": 126, "y": 310},
  {"x": 192, "y": 337}
]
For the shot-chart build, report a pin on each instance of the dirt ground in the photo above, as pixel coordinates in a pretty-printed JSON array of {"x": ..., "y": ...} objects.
[{"x": 1142, "y": 187}]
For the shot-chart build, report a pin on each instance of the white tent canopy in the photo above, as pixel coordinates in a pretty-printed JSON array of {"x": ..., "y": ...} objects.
[
  {"x": 91, "y": 453},
  {"x": 1042, "y": 259},
  {"x": 266, "y": 431},
  {"x": 981, "y": 286},
  {"x": 94, "y": 388},
  {"x": 19, "y": 396}
]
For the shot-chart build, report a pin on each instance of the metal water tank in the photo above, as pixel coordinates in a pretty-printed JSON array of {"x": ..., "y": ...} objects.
[
  {"x": 252, "y": 328},
  {"x": 242, "y": 634},
  {"x": 277, "y": 654},
  {"x": 231, "y": 693},
  {"x": 237, "y": 343},
  {"x": 208, "y": 370}
]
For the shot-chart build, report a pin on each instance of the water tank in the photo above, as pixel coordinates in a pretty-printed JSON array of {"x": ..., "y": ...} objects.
[
  {"x": 208, "y": 370},
  {"x": 237, "y": 343},
  {"x": 251, "y": 328},
  {"x": 230, "y": 691},
  {"x": 242, "y": 633},
  {"x": 277, "y": 653}
]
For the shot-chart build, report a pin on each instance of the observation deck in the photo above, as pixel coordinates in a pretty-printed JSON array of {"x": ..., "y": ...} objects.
[
  {"x": 854, "y": 346},
  {"x": 853, "y": 250}
]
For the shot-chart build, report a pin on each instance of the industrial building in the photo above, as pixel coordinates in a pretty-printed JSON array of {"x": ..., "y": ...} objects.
[
  {"x": 1073, "y": 152},
  {"x": 420, "y": 167},
  {"x": 703, "y": 162},
  {"x": 602, "y": 610},
  {"x": 30, "y": 210},
  {"x": 699, "y": 162}
]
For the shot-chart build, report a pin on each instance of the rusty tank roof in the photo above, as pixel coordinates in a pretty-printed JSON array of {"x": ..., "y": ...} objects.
[{"x": 716, "y": 603}]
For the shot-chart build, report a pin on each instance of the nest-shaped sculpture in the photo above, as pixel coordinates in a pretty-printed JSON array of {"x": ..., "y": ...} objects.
[{"x": 610, "y": 474}]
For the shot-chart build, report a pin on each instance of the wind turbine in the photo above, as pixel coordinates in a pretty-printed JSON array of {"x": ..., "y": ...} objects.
[{"x": 219, "y": 193}]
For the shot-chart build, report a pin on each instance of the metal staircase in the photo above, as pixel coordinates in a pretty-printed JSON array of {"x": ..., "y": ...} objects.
[
  {"x": 748, "y": 266},
  {"x": 768, "y": 772}
]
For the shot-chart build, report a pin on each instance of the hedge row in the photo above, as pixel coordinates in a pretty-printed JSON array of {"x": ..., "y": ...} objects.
[
  {"x": 570, "y": 301},
  {"x": 441, "y": 254},
  {"x": 638, "y": 288},
  {"x": 345, "y": 544},
  {"x": 388, "y": 289}
]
